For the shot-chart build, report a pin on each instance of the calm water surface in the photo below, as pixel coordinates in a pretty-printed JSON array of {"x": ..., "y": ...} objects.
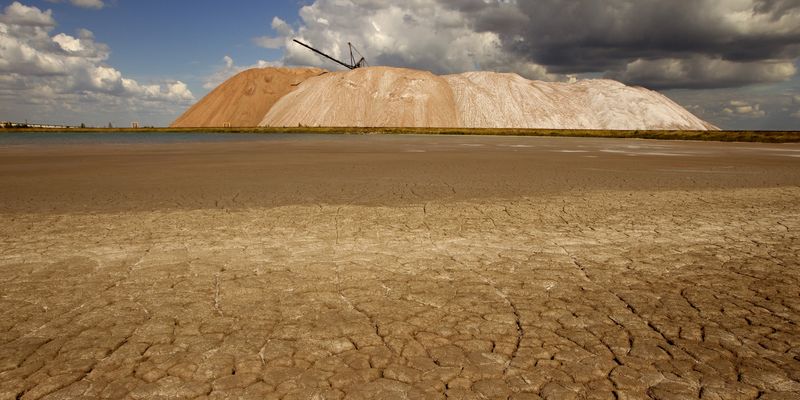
[{"x": 66, "y": 138}]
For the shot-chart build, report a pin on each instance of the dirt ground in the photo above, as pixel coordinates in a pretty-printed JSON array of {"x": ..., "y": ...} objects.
[{"x": 400, "y": 267}]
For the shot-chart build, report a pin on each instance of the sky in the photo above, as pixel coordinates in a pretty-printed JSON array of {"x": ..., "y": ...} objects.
[{"x": 733, "y": 63}]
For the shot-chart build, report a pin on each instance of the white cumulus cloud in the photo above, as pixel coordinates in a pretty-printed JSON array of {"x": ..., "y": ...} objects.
[
  {"x": 744, "y": 108},
  {"x": 63, "y": 71},
  {"x": 420, "y": 34},
  {"x": 88, "y": 3},
  {"x": 19, "y": 14},
  {"x": 96, "y": 4}
]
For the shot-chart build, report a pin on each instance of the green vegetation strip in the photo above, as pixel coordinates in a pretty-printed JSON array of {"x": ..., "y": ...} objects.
[{"x": 720, "y": 136}]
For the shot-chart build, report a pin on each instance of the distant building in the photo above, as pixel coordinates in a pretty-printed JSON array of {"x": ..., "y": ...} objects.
[
  {"x": 226, "y": 125},
  {"x": 135, "y": 125},
  {"x": 10, "y": 124}
]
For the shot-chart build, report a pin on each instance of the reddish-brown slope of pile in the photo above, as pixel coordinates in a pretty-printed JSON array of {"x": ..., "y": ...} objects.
[{"x": 242, "y": 101}]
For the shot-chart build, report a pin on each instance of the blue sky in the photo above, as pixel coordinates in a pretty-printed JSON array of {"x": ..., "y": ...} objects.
[
  {"x": 153, "y": 40},
  {"x": 732, "y": 62}
]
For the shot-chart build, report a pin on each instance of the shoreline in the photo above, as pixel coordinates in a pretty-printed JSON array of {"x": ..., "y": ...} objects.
[{"x": 718, "y": 136}]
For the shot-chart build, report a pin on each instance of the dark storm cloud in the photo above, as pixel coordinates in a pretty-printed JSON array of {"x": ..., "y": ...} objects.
[
  {"x": 776, "y": 8},
  {"x": 610, "y": 36},
  {"x": 701, "y": 73}
]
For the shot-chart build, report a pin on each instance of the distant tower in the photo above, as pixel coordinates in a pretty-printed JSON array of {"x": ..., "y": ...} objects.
[{"x": 135, "y": 125}]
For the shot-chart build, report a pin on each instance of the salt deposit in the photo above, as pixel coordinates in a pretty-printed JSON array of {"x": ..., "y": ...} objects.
[
  {"x": 397, "y": 97},
  {"x": 493, "y": 100},
  {"x": 378, "y": 96}
]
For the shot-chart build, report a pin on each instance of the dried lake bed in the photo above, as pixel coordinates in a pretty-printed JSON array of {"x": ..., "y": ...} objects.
[{"x": 300, "y": 267}]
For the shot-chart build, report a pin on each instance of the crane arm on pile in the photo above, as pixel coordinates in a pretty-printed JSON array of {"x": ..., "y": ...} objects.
[{"x": 353, "y": 64}]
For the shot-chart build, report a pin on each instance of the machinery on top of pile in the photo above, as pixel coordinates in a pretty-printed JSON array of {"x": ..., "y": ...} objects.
[{"x": 352, "y": 65}]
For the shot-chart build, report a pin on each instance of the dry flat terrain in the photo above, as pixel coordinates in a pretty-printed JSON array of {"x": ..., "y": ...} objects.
[{"x": 331, "y": 267}]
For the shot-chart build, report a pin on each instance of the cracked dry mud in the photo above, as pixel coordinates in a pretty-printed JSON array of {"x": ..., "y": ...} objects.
[{"x": 666, "y": 294}]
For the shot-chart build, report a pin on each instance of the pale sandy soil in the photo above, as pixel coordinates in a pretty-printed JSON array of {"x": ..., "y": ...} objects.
[
  {"x": 406, "y": 267},
  {"x": 244, "y": 99}
]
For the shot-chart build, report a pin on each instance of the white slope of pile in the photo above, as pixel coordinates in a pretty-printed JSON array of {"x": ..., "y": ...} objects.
[
  {"x": 395, "y": 97},
  {"x": 494, "y": 100},
  {"x": 368, "y": 97}
]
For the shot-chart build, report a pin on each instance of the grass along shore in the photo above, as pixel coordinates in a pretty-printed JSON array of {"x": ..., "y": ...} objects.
[{"x": 720, "y": 136}]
